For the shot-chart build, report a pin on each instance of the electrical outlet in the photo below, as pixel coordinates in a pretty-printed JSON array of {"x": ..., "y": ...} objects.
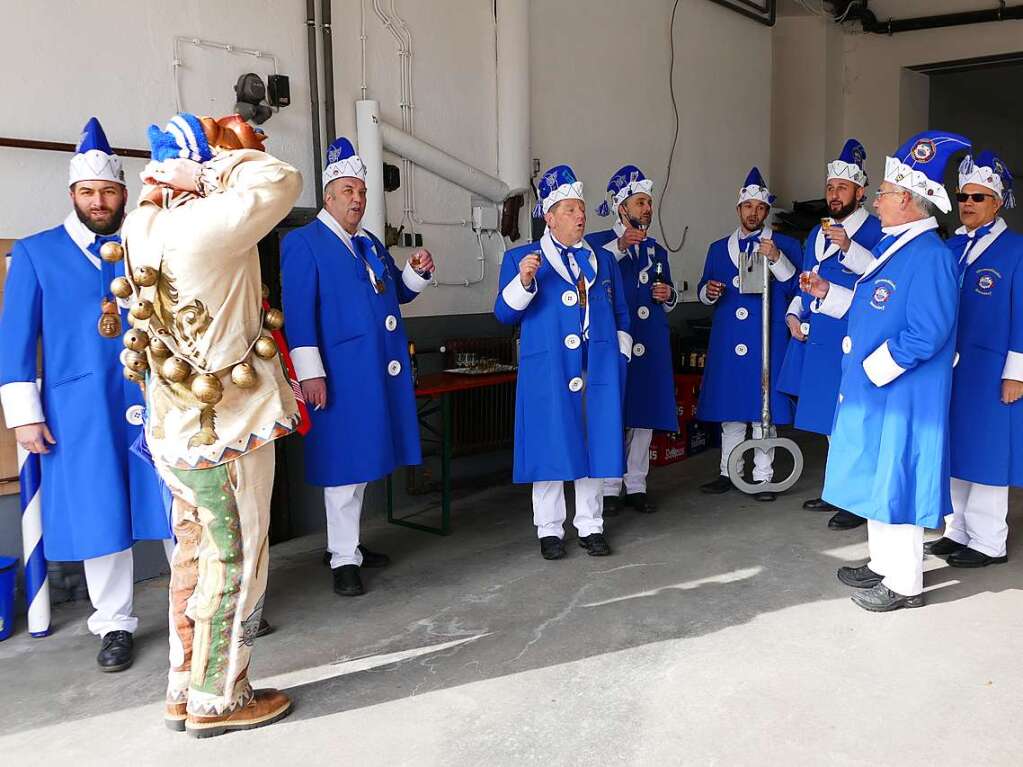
[
  {"x": 418, "y": 240},
  {"x": 484, "y": 215}
]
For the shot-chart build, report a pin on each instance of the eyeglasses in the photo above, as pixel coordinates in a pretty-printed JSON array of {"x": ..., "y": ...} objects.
[
  {"x": 879, "y": 194},
  {"x": 976, "y": 196}
]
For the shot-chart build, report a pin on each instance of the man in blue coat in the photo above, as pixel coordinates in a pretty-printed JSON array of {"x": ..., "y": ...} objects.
[
  {"x": 569, "y": 302},
  {"x": 730, "y": 392},
  {"x": 646, "y": 282},
  {"x": 986, "y": 415},
  {"x": 342, "y": 294},
  {"x": 889, "y": 456},
  {"x": 838, "y": 253},
  {"x": 97, "y": 496}
]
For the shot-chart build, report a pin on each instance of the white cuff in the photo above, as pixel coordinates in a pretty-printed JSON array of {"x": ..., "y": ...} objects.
[
  {"x": 796, "y": 306},
  {"x": 413, "y": 280},
  {"x": 22, "y": 404},
  {"x": 516, "y": 296},
  {"x": 857, "y": 259},
  {"x": 625, "y": 344},
  {"x": 880, "y": 368},
  {"x": 672, "y": 301},
  {"x": 1013, "y": 369},
  {"x": 782, "y": 269},
  {"x": 308, "y": 363},
  {"x": 704, "y": 299},
  {"x": 837, "y": 302}
]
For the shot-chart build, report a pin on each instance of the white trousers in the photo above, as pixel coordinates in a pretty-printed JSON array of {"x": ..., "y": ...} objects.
[
  {"x": 734, "y": 432},
  {"x": 897, "y": 553},
  {"x": 344, "y": 513},
  {"x": 549, "y": 507},
  {"x": 637, "y": 463},
  {"x": 978, "y": 517},
  {"x": 111, "y": 583}
]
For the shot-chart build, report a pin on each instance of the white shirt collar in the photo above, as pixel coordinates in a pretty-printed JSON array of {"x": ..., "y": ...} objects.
[
  {"x": 82, "y": 236},
  {"x": 922, "y": 224},
  {"x": 331, "y": 223},
  {"x": 969, "y": 232}
]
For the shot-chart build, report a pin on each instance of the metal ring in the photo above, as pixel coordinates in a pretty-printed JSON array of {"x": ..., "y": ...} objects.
[{"x": 736, "y": 464}]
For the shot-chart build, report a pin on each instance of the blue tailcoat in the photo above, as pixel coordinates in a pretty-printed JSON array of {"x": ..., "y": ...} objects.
[
  {"x": 813, "y": 368},
  {"x": 561, "y": 434},
  {"x": 889, "y": 454},
  {"x": 731, "y": 381},
  {"x": 650, "y": 384},
  {"x": 987, "y": 436},
  {"x": 97, "y": 496},
  {"x": 369, "y": 426}
]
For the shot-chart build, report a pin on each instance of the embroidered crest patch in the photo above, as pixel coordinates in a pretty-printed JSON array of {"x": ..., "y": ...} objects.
[
  {"x": 923, "y": 150},
  {"x": 883, "y": 290},
  {"x": 987, "y": 279}
]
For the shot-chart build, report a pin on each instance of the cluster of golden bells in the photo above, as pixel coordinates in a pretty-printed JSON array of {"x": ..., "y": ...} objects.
[{"x": 205, "y": 387}]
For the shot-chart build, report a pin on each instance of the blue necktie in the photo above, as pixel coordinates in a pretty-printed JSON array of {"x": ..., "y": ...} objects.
[
  {"x": 364, "y": 249},
  {"x": 882, "y": 244},
  {"x": 974, "y": 238},
  {"x": 107, "y": 270},
  {"x": 583, "y": 263}
]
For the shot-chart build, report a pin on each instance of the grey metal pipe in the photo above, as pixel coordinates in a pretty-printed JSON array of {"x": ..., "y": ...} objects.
[
  {"x": 314, "y": 95},
  {"x": 328, "y": 71}
]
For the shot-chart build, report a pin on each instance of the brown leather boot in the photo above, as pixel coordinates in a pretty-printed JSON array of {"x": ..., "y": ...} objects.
[
  {"x": 174, "y": 715},
  {"x": 266, "y": 707}
]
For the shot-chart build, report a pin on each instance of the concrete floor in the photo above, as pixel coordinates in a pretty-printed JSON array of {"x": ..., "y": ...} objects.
[{"x": 717, "y": 634}]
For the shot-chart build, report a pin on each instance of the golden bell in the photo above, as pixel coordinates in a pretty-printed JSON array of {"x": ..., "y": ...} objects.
[
  {"x": 159, "y": 349},
  {"x": 243, "y": 375},
  {"x": 131, "y": 375},
  {"x": 273, "y": 319},
  {"x": 136, "y": 339},
  {"x": 175, "y": 369},
  {"x": 144, "y": 276},
  {"x": 265, "y": 347},
  {"x": 142, "y": 309},
  {"x": 112, "y": 252},
  {"x": 135, "y": 361},
  {"x": 207, "y": 388},
  {"x": 120, "y": 287}
]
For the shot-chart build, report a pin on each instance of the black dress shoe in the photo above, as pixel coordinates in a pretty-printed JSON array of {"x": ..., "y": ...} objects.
[
  {"x": 720, "y": 485},
  {"x": 595, "y": 545},
  {"x": 967, "y": 557},
  {"x": 943, "y": 547},
  {"x": 347, "y": 581},
  {"x": 116, "y": 651},
  {"x": 881, "y": 599},
  {"x": 263, "y": 629},
  {"x": 859, "y": 577},
  {"x": 818, "y": 504},
  {"x": 552, "y": 547},
  {"x": 373, "y": 558},
  {"x": 639, "y": 502},
  {"x": 765, "y": 496},
  {"x": 612, "y": 505},
  {"x": 845, "y": 520}
]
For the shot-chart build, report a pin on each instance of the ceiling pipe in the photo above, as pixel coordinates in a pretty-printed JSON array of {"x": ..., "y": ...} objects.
[
  {"x": 871, "y": 23},
  {"x": 513, "y": 160},
  {"x": 314, "y": 96}
]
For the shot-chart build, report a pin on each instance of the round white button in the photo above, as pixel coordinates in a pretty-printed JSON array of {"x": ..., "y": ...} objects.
[
  {"x": 133, "y": 415},
  {"x": 847, "y": 344},
  {"x": 572, "y": 341},
  {"x": 393, "y": 367},
  {"x": 391, "y": 323},
  {"x": 741, "y": 313},
  {"x": 576, "y": 384},
  {"x": 569, "y": 298},
  {"x": 638, "y": 350},
  {"x": 741, "y": 349},
  {"x": 644, "y": 277},
  {"x": 735, "y": 280},
  {"x": 643, "y": 312},
  {"x": 805, "y": 328}
]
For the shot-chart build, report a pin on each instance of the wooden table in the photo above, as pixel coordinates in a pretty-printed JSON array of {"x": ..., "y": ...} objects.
[{"x": 434, "y": 392}]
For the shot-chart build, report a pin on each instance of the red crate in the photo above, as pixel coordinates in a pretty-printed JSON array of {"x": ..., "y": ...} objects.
[{"x": 666, "y": 449}]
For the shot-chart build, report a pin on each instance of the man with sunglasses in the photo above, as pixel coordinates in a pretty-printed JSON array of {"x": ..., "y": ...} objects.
[
  {"x": 986, "y": 415},
  {"x": 839, "y": 252}
]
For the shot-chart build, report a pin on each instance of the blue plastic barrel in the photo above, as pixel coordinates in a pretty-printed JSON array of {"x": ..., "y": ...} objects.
[{"x": 8, "y": 570}]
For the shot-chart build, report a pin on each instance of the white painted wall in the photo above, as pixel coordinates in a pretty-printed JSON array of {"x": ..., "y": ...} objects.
[{"x": 599, "y": 89}]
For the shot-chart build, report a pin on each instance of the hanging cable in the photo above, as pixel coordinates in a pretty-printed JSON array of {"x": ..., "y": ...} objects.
[{"x": 674, "y": 142}]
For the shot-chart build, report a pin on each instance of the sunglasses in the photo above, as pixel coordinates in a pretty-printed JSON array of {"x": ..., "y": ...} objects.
[{"x": 976, "y": 196}]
